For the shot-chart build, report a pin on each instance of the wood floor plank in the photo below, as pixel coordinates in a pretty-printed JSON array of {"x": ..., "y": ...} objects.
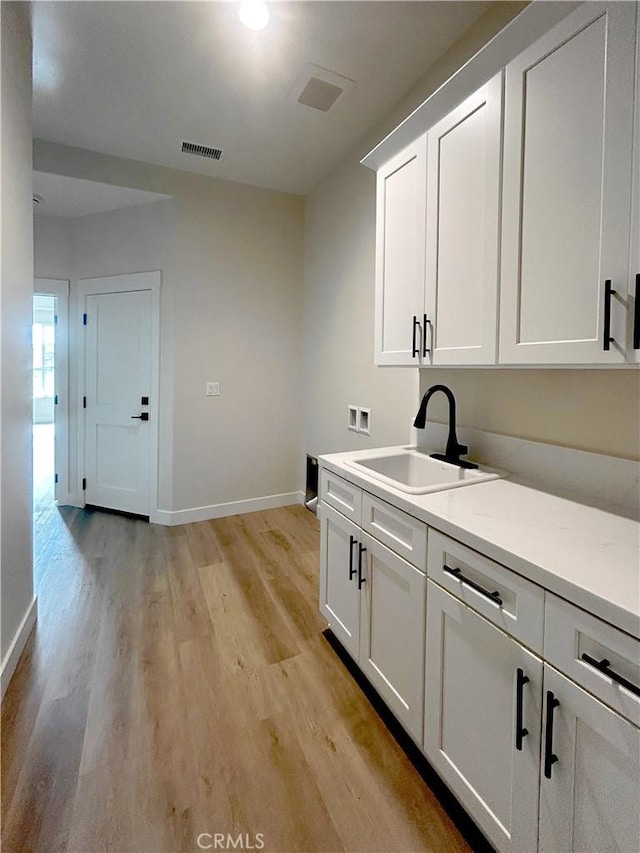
[{"x": 179, "y": 683}]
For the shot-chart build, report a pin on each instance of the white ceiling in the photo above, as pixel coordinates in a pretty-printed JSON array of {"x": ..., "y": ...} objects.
[
  {"x": 135, "y": 79},
  {"x": 71, "y": 197}
]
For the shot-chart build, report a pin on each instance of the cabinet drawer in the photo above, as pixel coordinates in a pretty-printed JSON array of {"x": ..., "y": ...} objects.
[
  {"x": 570, "y": 634},
  {"x": 341, "y": 495},
  {"x": 403, "y": 534},
  {"x": 509, "y": 601}
]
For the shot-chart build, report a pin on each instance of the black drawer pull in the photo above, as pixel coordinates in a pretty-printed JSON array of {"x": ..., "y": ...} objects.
[
  {"x": 549, "y": 757},
  {"x": 492, "y": 596},
  {"x": 352, "y": 571},
  {"x": 361, "y": 579},
  {"x": 414, "y": 348},
  {"x": 425, "y": 348},
  {"x": 521, "y": 732},
  {"x": 608, "y": 293},
  {"x": 603, "y": 667},
  {"x": 636, "y": 314}
]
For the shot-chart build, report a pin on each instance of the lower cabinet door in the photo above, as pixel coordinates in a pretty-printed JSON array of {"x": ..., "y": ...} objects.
[
  {"x": 392, "y": 633},
  {"x": 339, "y": 593},
  {"x": 483, "y": 695},
  {"x": 590, "y": 784}
]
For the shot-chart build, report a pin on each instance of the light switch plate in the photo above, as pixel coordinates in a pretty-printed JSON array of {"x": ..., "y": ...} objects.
[{"x": 212, "y": 389}]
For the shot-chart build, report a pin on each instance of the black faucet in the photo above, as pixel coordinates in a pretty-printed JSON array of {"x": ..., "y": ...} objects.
[{"x": 454, "y": 450}]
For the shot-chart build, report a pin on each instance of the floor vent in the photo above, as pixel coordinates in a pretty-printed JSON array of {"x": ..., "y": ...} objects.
[{"x": 201, "y": 150}]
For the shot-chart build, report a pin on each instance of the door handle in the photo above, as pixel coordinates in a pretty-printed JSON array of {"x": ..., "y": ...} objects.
[
  {"x": 361, "y": 579},
  {"x": 425, "y": 349},
  {"x": 550, "y": 757},
  {"x": 352, "y": 571},
  {"x": 521, "y": 731},
  {"x": 608, "y": 293},
  {"x": 414, "y": 348},
  {"x": 143, "y": 417},
  {"x": 636, "y": 314}
]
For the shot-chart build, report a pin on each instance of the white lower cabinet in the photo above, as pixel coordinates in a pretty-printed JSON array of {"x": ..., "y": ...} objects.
[
  {"x": 473, "y": 660},
  {"x": 392, "y": 635},
  {"x": 590, "y": 784},
  {"x": 374, "y": 602},
  {"x": 482, "y": 719},
  {"x": 339, "y": 593}
]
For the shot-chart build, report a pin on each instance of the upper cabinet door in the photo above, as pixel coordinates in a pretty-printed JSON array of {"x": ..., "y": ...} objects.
[
  {"x": 463, "y": 235},
  {"x": 566, "y": 191},
  {"x": 633, "y": 328},
  {"x": 400, "y": 244}
]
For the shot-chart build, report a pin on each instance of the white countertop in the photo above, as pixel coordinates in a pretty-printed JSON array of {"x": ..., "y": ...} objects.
[{"x": 583, "y": 554}]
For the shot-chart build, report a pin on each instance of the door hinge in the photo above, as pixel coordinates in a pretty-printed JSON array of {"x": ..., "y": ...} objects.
[
  {"x": 84, "y": 484},
  {"x": 84, "y": 402},
  {"x": 55, "y": 478},
  {"x": 55, "y": 319},
  {"x": 84, "y": 319},
  {"x": 55, "y": 400}
]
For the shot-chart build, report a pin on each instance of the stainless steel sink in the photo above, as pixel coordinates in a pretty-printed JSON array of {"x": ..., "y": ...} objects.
[{"x": 417, "y": 473}]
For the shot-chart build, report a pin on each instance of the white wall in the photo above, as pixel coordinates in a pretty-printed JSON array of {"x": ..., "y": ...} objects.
[
  {"x": 16, "y": 573},
  {"x": 51, "y": 247},
  {"x": 231, "y": 259}
]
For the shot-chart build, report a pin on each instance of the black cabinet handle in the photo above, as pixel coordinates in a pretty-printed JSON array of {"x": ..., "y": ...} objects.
[
  {"x": 425, "y": 348},
  {"x": 352, "y": 571},
  {"x": 143, "y": 417},
  {"x": 549, "y": 757},
  {"x": 636, "y": 314},
  {"x": 603, "y": 667},
  {"x": 521, "y": 732},
  {"x": 361, "y": 579},
  {"x": 608, "y": 293},
  {"x": 414, "y": 348},
  {"x": 492, "y": 596}
]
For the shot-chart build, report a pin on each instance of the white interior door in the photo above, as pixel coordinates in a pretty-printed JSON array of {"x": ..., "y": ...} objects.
[{"x": 119, "y": 403}]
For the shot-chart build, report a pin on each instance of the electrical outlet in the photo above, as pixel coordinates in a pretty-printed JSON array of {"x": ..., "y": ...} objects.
[
  {"x": 352, "y": 418},
  {"x": 212, "y": 389}
]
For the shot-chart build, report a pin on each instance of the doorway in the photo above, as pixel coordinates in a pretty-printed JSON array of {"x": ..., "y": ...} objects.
[
  {"x": 119, "y": 373},
  {"x": 50, "y": 382}
]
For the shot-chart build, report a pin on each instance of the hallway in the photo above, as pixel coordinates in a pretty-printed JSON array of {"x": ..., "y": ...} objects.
[{"x": 179, "y": 683}]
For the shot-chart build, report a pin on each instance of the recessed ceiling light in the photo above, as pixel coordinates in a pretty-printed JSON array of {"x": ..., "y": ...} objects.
[{"x": 254, "y": 14}]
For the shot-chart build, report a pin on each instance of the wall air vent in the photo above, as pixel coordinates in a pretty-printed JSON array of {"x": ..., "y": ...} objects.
[{"x": 201, "y": 151}]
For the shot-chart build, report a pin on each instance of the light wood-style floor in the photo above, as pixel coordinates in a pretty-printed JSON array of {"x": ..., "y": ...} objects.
[{"x": 179, "y": 683}]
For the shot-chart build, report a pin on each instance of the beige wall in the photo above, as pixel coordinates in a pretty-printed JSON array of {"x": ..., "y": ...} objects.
[
  {"x": 231, "y": 258},
  {"x": 16, "y": 304},
  {"x": 595, "y": 410}
]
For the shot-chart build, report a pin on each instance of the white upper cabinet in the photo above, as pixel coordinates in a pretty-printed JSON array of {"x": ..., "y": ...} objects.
[
  {"x": 400, "y": 246},
  {"x": 437, "y": 240},
  {"x": 567, "y": 191},
  {"x": 633, "y": 328},
  {"x": 463, "y": 207}
]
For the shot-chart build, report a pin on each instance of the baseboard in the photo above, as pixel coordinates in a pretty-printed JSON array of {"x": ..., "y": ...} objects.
[
  {"x": 204, "y": 513},
  {"x": 16, "y": 648},
  {"x": 70, "y": 499}
]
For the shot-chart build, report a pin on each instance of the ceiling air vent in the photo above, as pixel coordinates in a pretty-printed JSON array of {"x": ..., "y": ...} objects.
[
  {"x": 201, "y": 150},
  {"x": 320, "y": 88}
]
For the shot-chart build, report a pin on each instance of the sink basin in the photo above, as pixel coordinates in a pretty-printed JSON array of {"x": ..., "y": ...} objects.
[{"x": 417, "y": 473}]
